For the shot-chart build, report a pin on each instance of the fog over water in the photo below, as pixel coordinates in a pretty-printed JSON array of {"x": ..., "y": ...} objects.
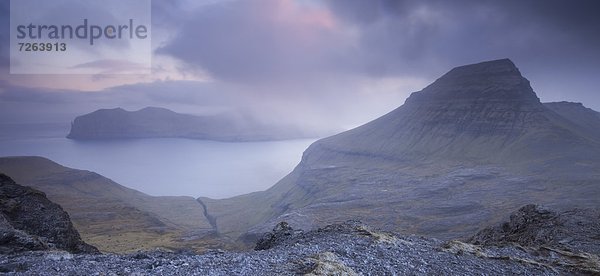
[
  {"x": 166, "y": 166},
  {"x": 321, "y": 66}
]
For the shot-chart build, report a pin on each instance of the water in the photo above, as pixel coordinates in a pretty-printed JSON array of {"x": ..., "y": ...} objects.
[{"x": 170, "y": 166}]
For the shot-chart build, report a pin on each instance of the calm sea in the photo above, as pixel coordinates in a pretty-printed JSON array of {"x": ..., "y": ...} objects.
[{"x": 163, "y": 166}]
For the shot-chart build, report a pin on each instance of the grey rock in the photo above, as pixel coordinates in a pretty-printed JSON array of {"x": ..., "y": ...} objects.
[
  {"x": 281, "y": 232},
  {"x": 13, "y": 240},
  {"x": 576, "y": 230},
  {"x": 350, "y": 248},
  {"x": 29, "y": 221}
]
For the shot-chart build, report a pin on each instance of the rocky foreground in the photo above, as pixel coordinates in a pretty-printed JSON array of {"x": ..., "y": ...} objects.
[
  {"x": 350, "y": 248},
  {"x": 31, "y": 222}
]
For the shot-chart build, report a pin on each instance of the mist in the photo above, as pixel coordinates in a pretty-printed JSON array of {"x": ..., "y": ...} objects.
[{"x": 320, "y": 64}]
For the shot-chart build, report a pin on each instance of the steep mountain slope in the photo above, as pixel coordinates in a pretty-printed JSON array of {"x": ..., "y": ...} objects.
[
  {"x": 458, "y": 155},
  {"x": 29, "y": 221},
  {"x": 154, "y": 122},
  {"x": 578, "y": 114},
  {"x": 110, "y": 216},
  {"x": 466, "y": 115}
]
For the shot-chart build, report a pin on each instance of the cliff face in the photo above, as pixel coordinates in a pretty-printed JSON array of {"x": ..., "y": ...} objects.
[
  {"x": 147, "y": 122},
  {"x": 29, "y": 221},
  {"x": 153, "y": 122},
  {"x": 458, "y": 155}
]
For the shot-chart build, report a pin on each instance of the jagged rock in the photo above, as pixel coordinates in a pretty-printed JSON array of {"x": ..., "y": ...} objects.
[
  {"x": 29, "y": 221},
  {"x": 325, "y": 263},
  {"x": 340, "y": 249},
  {"x": 281, "y": 232},
  {"x": 576, "y": 230},
  {"x": 13, "y": 240},
  {"x": 531, "y": 225}
]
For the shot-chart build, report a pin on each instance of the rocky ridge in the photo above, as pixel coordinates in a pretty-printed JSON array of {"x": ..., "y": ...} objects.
[
  {"x": 576, "y": 230},
  {"x": 586, "y": 118},
  {"x": 29, "y": 222},
  {"x": 349, "y": 248}
]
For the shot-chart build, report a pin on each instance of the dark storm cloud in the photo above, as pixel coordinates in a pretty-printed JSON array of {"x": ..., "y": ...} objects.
[
  {"x": 239, "y": 40},
  {"x": 259, "y": 40},
  {"x": 423, "y": 34}
]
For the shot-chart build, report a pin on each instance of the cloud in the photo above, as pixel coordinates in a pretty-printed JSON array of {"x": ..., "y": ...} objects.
[
  {"x": 280, "y": 39},
  {"x": 262, "y": 40},
  {"x": 348, "y": 61},
  {"x": 465, "y": 31},
  {"x": 112, "y": 66}
]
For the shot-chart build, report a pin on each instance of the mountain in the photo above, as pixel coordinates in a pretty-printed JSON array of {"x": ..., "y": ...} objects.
[
  {"x": 458, "y": 155},
  {"x": 112, "y": 217},
  {"x": 466, "y": 115},
  {"x": 29, "y": 221},
  {"x": 154, "y": 122}
]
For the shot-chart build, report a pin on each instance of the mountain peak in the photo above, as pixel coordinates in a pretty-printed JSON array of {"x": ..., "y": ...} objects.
[
  {"x": 491, "y": 80},
  {"x": 492, "y": 67},
  {"x": 467, "y": 114}
]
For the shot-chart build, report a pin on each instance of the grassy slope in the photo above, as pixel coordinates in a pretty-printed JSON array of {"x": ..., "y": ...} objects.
[{"x": 112, "y": 217}]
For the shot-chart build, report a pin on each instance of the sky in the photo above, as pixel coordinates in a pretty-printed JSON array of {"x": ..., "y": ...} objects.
[{"x": 329, "y": 63}]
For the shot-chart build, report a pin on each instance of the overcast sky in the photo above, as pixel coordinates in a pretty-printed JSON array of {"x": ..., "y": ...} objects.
[{"x": 338, "y": 62}]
